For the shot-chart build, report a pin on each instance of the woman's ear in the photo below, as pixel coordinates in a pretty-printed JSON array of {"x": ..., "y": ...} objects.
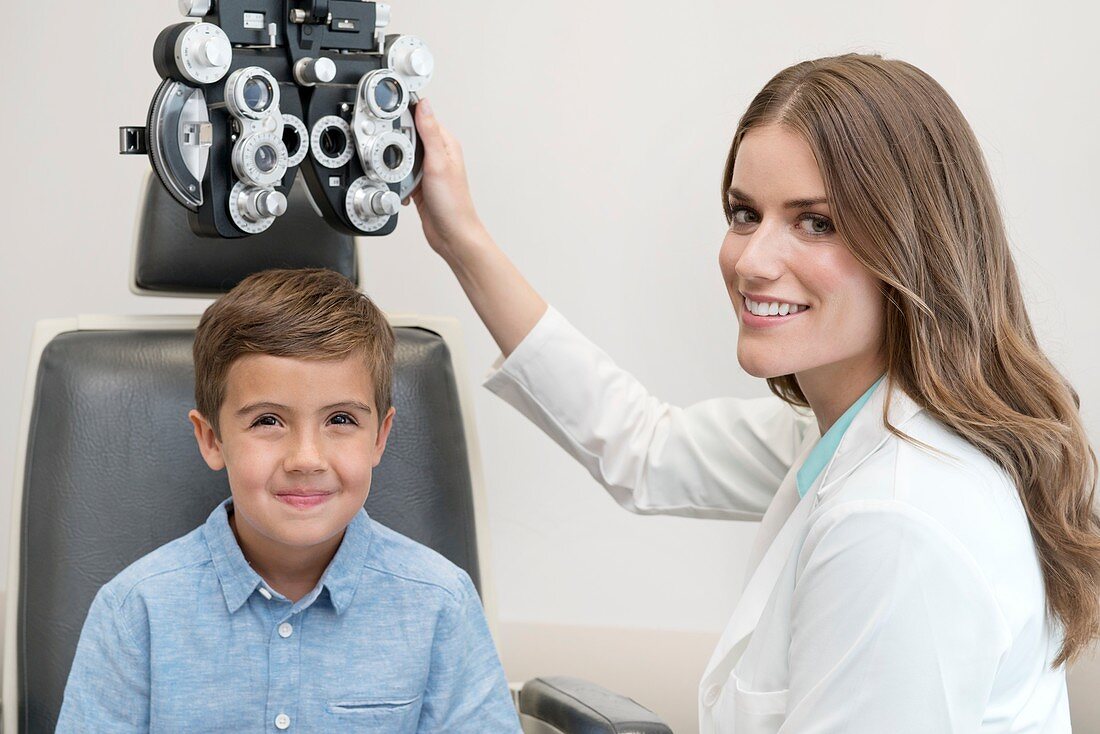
[{"x": 207, "y": 439}]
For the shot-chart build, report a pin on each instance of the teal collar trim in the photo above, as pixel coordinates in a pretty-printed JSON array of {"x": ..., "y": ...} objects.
[{"x": 824, "y": 449}]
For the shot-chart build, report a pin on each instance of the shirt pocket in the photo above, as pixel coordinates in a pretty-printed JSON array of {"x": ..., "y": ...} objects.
[
  {"x": 397, "y": 714},
  {"x": 758, "y": 712}
]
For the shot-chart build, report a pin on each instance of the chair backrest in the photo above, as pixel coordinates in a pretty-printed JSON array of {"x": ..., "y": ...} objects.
[{"x": 111, "y": 471}]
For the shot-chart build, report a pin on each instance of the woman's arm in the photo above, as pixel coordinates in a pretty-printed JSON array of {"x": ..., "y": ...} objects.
[
  {"x": 502, "y": 297},
  {"x": 722, "y": 458}
]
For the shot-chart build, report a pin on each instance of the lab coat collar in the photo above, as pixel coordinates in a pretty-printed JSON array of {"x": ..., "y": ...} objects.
[
  {"x": 866, "y": 434},
  {"x": 787, "y": 515}
]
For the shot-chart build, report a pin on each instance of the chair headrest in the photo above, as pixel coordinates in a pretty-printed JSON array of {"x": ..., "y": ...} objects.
[{"x": 170, "y": 260}]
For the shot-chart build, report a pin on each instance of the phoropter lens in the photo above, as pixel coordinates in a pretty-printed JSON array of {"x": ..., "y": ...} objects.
[
  {"x": 257, "y": 94},
  {"x": 388, "y": 95},
  {"x": 333, "y": 142},
  {"x": 392, "y": 156},
  {"x": 266, "y": 158}
]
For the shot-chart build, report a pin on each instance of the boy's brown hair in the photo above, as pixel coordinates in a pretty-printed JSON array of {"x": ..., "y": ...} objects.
[{"x": 305, "y": 314}]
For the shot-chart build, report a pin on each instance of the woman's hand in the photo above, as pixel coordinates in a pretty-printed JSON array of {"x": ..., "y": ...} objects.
[{"x": 443, "y": 199}]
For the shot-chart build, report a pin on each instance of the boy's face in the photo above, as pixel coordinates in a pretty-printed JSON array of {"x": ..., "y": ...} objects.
[{"x": 299, "y": 439}]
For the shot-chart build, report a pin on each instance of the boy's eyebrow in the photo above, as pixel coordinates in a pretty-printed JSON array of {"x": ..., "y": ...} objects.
[
  {"x": 267, "y": 405},
  {"x": 792, "y": 204}
]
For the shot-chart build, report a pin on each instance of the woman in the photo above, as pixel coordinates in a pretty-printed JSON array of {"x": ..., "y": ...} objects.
[{"x": 929, "y": 556}]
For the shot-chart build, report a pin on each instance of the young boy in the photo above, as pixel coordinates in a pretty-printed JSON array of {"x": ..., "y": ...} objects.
[{"x": 290, "y": 609}]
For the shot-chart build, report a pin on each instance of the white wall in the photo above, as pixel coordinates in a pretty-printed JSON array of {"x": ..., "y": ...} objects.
[{"x": 595, "y": 138}]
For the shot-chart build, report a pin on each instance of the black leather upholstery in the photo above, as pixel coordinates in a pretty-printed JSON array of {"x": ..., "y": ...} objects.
[
  {"x": 170, "y": 258},
  {"x": 113, "y": 472},
  {"x": 579, "y": 707}
]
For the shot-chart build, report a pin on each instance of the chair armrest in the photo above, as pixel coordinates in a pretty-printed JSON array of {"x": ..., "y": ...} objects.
[{"x": 575, "y": 706}]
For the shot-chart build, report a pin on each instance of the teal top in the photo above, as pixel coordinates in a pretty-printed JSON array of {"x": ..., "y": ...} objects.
[{"x": 823, "y": 451}]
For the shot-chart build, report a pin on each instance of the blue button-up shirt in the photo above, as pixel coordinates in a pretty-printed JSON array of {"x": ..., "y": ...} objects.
[{"x": 189, "y": 638}]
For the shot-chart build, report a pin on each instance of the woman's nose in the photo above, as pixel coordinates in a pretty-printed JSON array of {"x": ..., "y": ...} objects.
[{"x": 762, "y": 254}]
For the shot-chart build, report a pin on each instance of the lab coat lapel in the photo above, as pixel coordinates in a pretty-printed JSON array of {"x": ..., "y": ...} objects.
[
  {"x": 782, "y": 505},
  {"x": 770, "y": 550}
]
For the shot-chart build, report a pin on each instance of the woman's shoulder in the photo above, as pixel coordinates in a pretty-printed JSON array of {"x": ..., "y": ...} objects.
[{"x": 936, "y": 478}]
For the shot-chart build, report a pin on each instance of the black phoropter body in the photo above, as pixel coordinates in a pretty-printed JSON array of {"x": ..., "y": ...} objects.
[{"x": 256, "y": 89}]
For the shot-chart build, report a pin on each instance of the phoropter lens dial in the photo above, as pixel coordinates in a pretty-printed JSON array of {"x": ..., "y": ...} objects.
[
  {"x": 384, "y": 93},
  {"x": 388, "y": 156},
  {"x": 296, "y": 140},
  {"x": 260, "y": 159},
  {"x": 330, "y": 142},
  {"x": 252, "y": 93}
]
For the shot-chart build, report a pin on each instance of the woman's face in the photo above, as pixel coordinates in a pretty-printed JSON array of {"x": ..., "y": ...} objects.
[{"x": 804, "y": 304}]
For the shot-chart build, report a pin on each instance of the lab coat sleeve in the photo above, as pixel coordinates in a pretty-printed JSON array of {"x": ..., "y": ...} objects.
[
  {"x": 722, "y": 458},
  {"x": 893, "y": 627}
]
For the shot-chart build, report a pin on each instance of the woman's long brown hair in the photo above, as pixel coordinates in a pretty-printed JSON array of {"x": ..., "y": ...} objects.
[{"x": 911, "y": 195}]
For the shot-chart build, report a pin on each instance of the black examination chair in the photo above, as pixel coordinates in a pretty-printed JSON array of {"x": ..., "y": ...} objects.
[{"x": 108, "y": 469}]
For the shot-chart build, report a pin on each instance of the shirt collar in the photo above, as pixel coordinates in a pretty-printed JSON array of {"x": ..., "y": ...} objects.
[
  {"x": 344, "y": 572},
  {"x": 239, "y": 581},
  {"x": 237, "y": 578}
]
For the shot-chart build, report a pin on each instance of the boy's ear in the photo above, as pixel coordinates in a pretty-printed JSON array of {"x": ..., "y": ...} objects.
[
  {"x": 383, "y": 435},
  {"x": 209, "y": 445}
]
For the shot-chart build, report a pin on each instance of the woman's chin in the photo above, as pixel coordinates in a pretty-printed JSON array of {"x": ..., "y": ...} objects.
[{"x": 763, "y": 366}]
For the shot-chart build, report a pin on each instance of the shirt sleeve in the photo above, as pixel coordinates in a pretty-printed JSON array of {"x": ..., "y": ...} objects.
[
  {"x": 722, "y": 458},
  {"x": 467, "y": 692},
  {"x": 893, "y": 627},
  {"x": 108, "y": 686}
]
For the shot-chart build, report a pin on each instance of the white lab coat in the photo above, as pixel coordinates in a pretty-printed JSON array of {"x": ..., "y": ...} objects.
[{"x": 901, "y": 594}]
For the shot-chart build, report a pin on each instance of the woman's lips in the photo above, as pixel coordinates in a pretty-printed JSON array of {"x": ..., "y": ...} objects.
[
  {"x": 304, "y": 501},
  {"x": 748, "y": 318}
]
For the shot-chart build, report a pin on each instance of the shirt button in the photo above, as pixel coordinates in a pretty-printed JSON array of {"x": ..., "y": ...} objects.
[
  {"x": 286, "y": 629},
  {"x": 282, "y": 721},
  {"x": 712, "y": 694}
]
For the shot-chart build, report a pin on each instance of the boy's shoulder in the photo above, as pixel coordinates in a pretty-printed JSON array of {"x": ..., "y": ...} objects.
[
  {"x": 392, "y": 554},
  {"x": 185, "y": 555}
]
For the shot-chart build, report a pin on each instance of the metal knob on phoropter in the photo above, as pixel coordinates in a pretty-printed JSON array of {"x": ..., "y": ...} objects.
[
  {"x": 415, "y": 62},
  {"x": 309, "y": 72},
  {"x": 194, "y": 53},
  {"x": 259, "y": 204},
  {"x": 410, "y": 57},
  {"x": 373, "y": 203},
  {"x": 195, "y": 8}
]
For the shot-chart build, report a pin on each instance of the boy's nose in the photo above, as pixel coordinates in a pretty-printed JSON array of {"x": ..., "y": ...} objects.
[{"x": 304, "y": 456}]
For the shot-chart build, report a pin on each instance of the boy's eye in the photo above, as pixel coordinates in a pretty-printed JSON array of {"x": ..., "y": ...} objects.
[
  {"x": 265, "y": 420},
  {"x": 343, "y": 419},
  {"x": 815, "y": 224}
]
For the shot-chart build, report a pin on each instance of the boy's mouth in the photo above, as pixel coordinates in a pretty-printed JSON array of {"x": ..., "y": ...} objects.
[{"x": 303, "y": 499}]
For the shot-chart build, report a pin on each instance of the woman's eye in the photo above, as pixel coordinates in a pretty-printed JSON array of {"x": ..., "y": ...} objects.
[
  {"x": 343, "y": 419},
  {"x": 815, "y": 224},
  {"x": 743, "y": 215}
]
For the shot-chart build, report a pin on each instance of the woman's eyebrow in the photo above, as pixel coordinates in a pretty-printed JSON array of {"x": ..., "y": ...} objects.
[{"x": 805, "y": 203}]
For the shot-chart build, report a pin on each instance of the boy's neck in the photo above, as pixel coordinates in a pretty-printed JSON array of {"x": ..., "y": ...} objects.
[{"x": 293, "y": 572}]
